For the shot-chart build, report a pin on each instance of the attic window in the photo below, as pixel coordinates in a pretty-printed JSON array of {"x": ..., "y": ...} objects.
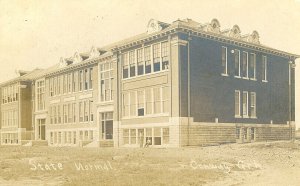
[
  {"x": 69, "y": 62},
  {"x": 214, "y": 25},
  {"x": 84, "y": 57}
]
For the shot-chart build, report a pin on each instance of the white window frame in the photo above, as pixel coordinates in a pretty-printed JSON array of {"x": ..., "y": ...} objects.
[
  {"x": 265, "y": 65},
  {"x": 246, "y": 115},
  {"x": 226, "y": 62},
  {"x": 254, "y": 68},
  {"x": 247, "y": 65},
  {"x": 239, "y": 52},
  {"x": 239, "y": 96},
  {"x": 253, "y": 104}
]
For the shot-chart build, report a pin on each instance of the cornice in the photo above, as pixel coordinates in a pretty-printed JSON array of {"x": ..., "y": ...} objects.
[
  {"x": 86, "y": 63},
  {"x": 234, "y": 41},
  {"x": 179, "y": 28}
]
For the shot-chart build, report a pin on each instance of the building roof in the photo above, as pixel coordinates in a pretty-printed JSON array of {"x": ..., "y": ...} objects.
[
  {"x": 210, "y": 30},
  {"x": 26, "y": 77},
  {"x": 155, "y": 29}
]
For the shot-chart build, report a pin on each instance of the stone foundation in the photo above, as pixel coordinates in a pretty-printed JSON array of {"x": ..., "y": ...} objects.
[{"x": 198, "y": 133}]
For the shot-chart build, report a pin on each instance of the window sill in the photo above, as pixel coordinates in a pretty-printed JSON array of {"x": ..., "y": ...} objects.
[
  {"x": 74, "y": 123},
  {"x": 226, "y": 75},
  {"x": 245, "y": 116},
  {"x": 264, "y": 81},
  {"x": 152, "y": 73},
  {"x": 237, "y": 76},
  {"x": 105, "y": 102},
  {"x": 146, "y": 116},
  {"x": 245, "y": 78},
  {"x": 238, "y": 116},
  {"x": 253, "y": 79}
]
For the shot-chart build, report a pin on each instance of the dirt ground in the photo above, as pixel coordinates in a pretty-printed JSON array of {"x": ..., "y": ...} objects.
[{"x": 267, "y": 163}]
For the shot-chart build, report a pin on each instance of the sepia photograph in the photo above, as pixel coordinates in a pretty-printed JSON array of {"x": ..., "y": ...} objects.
[{"x": 149, "y": 92}]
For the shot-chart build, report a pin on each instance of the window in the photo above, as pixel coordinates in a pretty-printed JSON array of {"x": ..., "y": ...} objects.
[
  {"x": 245, "y": 64},
  {"x": 125, "y": 65},
  {"x": 252, "y": 62},
  {"x": 147, "y": 55},
  {"x": 149, "y": 101},
  {"x": 132, "y": 63},
  {"x": 157, "y": 136},
  {"x": 237, "y": 63},
  {"x": 126, "y": 104},
  {"x": 237, "y": 132},
  {"x": 51, "y": 87},
  {"x": 54, "y": 86},
  {"x": 245, "y": 133},
  {"x": 55, "y": 114},
  {"x": 245, "y": 104},
  {"x": 237, "y": 103},
  {"x": 74, "y": 80},
  {"x": 86, "y": 110},
  {"x": 65, "y": 107},
  {"x": 91, "y": 78},
  {"x": 149, "y": 135},
  {"x": 146, "y": 102},
  {"x": 165, "y": 99},
  {"x": 133, "y": 136},
  {"x": 40, "y": 89},
  {"x": 59, "y": 114},
  {"x": 74, "y": 112},
  {"x": 81, "y": 110},
  {"x": 252, "y": 133},
  {"x": 264, "y": 68},
  {"x": 141, "y": 103},
  {"x": 133, "y": 103},
  {"x": 165, "y": 55},
  {"x": 58, "y": 85},
  {"x": 156, "y": 57},
  {"x": 70, "y": 115},
  {"x": 65, "y": 84},
  {"x": 140, "y": 62},
  {"x": 80, "y": 80},
  {"x": 91, "y": 111},
  {"x": 157, "y": 99},
  {"x": 125, "y": 136},
  {"x": 253, "y": 104},
  {"x": 69, "y": 82},
  {"x": 51, "y": 115},
  {"x": 166, "y": 135},
  {"x": 106, "y": 82},
  {"x": 86, "y": 79},
  {"x": 224, "y": 60}
]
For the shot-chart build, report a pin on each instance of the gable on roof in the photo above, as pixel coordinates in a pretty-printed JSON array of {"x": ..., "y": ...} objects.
[
  {"x": 213, "y": 26},
  {"x": 155, "y": 26}
]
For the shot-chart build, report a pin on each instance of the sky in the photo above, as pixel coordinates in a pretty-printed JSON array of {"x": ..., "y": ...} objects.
[{"x": 35, "y": 34}]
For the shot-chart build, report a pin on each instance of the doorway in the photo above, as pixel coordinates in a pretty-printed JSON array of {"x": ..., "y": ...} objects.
[
  {"x": 106, "y": 119},
  {"x": 41, "y": 129}
]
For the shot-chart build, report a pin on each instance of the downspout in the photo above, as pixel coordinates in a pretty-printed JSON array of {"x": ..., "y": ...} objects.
[
  {"x": 189, "y": 85},
  {"x": 118, "y": 97},
  {"x": 291, "y": 66}
]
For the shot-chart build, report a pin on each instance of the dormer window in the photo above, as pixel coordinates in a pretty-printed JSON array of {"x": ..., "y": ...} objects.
[
  {"x": 235, "y": 32},
  {"x": 69, "y": 62}
]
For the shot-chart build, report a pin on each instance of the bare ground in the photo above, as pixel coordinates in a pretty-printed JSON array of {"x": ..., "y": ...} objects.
[{"x": 274, "y": 163}]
